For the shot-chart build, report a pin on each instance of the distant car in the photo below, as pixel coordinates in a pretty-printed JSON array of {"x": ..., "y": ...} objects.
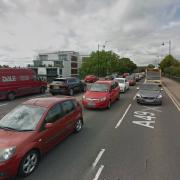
[
  {"x": 137, "y": 77},
  {"x": 90, "y": 79},
  {"x": 149, "y": 94},
  {"x": 131, "y": 80},
  {"x": 101, "y": 94},
  {"x": 123, "y": 84},
  {"x": 125, "y": 75},
  {"x": 109, "y": 77},
  {"x": 66, "y": 86},
  {"x": 32, "y": 129}
]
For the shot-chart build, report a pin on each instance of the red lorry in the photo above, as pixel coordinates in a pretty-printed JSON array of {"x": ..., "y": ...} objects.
[{"x": 19, "y": 82}]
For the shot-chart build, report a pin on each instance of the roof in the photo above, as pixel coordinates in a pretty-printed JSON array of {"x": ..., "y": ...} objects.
[
  {"x": 120, "y": 78},
  {"x": 46, "y": 102},
  {"x": 104, "y": 81}
]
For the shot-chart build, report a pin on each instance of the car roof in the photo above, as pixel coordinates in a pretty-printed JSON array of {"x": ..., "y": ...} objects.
[
  {"x": 120, "y": 78},
  {"x": 65, "y": 78},
  {"x": 104, "y": 82},
  {"x": 46, "y": 102}
]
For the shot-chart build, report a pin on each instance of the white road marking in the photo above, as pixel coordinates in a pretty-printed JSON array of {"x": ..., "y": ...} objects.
[
  {"x": 3, "y": 104},
  {"x": 145, "y": 123},
  {"x": 134, "y": 97},
  {"x": 98, "y": 157},
  {"x": 118, "y": 124},
  {"x": 99, "y": 172},
  {"x": 172, "y": 98}
]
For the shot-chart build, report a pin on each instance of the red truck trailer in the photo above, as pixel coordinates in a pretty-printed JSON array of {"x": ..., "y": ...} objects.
[{"x": 19, "y": 82}]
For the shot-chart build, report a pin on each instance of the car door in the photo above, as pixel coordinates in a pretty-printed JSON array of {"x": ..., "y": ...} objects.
[
  {"x": 113, "y": 92},
  {"x": 48, "y": 137},
  {"x": 71, "y": 114},
  {"x": 127, "y": 84}
]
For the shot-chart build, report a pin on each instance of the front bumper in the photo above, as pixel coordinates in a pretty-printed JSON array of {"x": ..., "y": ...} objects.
[
  {"x": 95, "y": 104},
  {"x": 9, "y": 168},
  {"x": 155, "y": 101},
  {"x": 59, "y": 91}
]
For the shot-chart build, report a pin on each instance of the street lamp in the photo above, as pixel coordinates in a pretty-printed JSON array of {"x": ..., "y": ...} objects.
[{"x": 169, "y": 43}]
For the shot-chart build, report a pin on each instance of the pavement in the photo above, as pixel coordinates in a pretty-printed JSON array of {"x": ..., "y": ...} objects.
[
  {"x": 172, "y": 88},
  {"x": 127, "y": 142}
]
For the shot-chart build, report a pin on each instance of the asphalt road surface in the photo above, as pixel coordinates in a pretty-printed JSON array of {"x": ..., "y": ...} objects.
[{"x": 127, "y": 142}]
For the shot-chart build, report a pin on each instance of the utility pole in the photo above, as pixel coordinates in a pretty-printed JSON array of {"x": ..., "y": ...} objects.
[
  {"x": 169, "y": 47},
  {"x": 98, "y": 59}
]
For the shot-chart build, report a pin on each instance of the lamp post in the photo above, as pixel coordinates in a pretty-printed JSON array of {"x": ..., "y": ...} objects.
[{"x": 169, "y": 43}]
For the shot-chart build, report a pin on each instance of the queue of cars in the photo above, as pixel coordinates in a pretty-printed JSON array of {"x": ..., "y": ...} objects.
[{"x": 37, "y": 125}]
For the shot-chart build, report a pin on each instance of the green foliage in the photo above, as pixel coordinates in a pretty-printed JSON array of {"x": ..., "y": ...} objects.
[
  {"x": 151, "y": 66},
  {"x": 105, "y": 62},
  {"x": 170, "y": 66}
]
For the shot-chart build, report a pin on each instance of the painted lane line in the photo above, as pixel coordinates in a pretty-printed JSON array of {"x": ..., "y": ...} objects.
[
  {"x": 172, "y": 98},
  {"x": 120, "y": 121},
  {"x": 99, "y": 172},
  {"x": 134, "y": 96},
  {"x": 98, "y": 157},
  {"x": 3, "y": 104}
]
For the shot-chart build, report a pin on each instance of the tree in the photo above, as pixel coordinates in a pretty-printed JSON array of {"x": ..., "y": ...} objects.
[
  {"x": 151, "y": 66},
  {"x": 167, "y": 62},
  {"x": 103, "y": 63}
]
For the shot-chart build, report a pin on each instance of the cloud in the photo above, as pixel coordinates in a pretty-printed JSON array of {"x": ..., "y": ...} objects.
[{"x": 134, "y": 28}]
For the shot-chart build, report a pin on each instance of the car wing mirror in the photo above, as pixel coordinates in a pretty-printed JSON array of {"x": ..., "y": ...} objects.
[
  {"x": 137, "y": 88},
  {"x": 48, "y": 125}
]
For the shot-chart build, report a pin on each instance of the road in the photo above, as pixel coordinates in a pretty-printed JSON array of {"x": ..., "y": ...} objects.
[{"x": 127, "y": 142}]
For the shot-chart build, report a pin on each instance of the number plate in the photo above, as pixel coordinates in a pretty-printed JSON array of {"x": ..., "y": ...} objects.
[
  {"x": 91, "y": 103},
  {"x": 55, "y": 87}
]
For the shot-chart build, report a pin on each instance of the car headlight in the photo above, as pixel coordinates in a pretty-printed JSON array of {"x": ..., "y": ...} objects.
[
  {"x": 159, "y": 96},
  {"x": 138, "y": 95},
  {"x": 102, "y": 99},
  {"x": 84, "y": 97},
  {"x": 6, "y": 154}
]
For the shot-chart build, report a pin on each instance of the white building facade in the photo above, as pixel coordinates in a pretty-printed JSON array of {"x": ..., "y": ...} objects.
[{"x": 57, "y": 64}]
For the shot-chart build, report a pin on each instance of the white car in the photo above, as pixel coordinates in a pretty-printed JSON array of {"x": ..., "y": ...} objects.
[{"x": 123, "y": 84}]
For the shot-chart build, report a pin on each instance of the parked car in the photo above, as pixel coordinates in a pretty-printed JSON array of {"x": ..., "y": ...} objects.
[
  {"x": 101, "y": 94},
  {"x": 90, "y": 79},
  {"x": 137, "y": 77},
  {"x": 32, "y": 129},
  {"x": 110, "y": 77},
  {"x": 123, "y": 84},
  {"x": 68, "y": 86},
  {"x": 16, "y": 82},
  {"x": 149, "y": 94},
  {"x": 125, "y": 75},
  {"x": 131, "y": 80}
]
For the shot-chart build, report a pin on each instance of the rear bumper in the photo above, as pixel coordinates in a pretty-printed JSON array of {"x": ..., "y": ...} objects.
[
  {"x": 59, "y": 91},
  {"x": 96, "y": 105}
]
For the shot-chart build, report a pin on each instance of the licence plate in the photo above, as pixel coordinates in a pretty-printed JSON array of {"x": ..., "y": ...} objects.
[
  {"x": 55, "y": 87},
  {"x": 91, "y": 103}
]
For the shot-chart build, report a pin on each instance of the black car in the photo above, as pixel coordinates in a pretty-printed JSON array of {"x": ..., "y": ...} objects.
[
  {"x": 68, "y": 86},
  {"x": 149, "y": 94}
]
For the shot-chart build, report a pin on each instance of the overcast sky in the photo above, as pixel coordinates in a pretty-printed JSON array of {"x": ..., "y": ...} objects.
[{"x": 133, "y": 28}]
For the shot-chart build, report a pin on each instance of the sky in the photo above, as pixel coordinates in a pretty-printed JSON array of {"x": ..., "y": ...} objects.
[{"x": 131, "y": 28}]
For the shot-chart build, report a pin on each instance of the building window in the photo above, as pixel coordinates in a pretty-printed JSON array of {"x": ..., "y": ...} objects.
[
  {"x": 58, "y": 64},
  {"x": 62, "y": 57},
  {"x": 74, "y": 71},
  {"x": 74, "y": 58},
  {"x": 52, "y": 72},
  {"x": 43, "y": 57},
  {"x": 60, "y": 71},
  {"x": 74, "y": 65}
]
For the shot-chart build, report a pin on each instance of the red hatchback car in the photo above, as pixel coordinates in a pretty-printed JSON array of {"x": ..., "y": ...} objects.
[
  {"x": 90, "y": 79},
  {"x": 32, "y": 129},
  {"x": 101, "y": 94}
]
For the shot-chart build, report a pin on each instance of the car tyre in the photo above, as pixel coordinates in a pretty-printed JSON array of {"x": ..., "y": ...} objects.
[
  {"x": 71, "y": 92},
  {"x": 43, "y": 90},
  {"x": 109, "y": 105},
  {"x": 11, "y": 96},
  {"x": 78, "y": 126},
  {"x": 29, "y": 163}
]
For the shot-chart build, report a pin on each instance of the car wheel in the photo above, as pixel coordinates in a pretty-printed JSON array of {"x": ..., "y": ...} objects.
[
  {"x": 43, "y": 90},
  {"x": 29, "y": 163},
  {"x": 11, "y": 96},
  {"x": 52, "y": 94},
  {"x": 109, "y": 105},
  {"x": 71, "y": 92},
  {"x": 78, "y": 126}
]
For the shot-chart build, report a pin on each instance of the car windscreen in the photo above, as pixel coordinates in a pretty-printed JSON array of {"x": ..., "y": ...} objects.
[
  {"x": 120, "y": 80},
  {"x": 22, "y": 118},
  {"x": 150, "y": 87},
  {"x": 59, "y": 81},
  {"x": 153, "y": 75},
  {"x": 98, "y": 87}
]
